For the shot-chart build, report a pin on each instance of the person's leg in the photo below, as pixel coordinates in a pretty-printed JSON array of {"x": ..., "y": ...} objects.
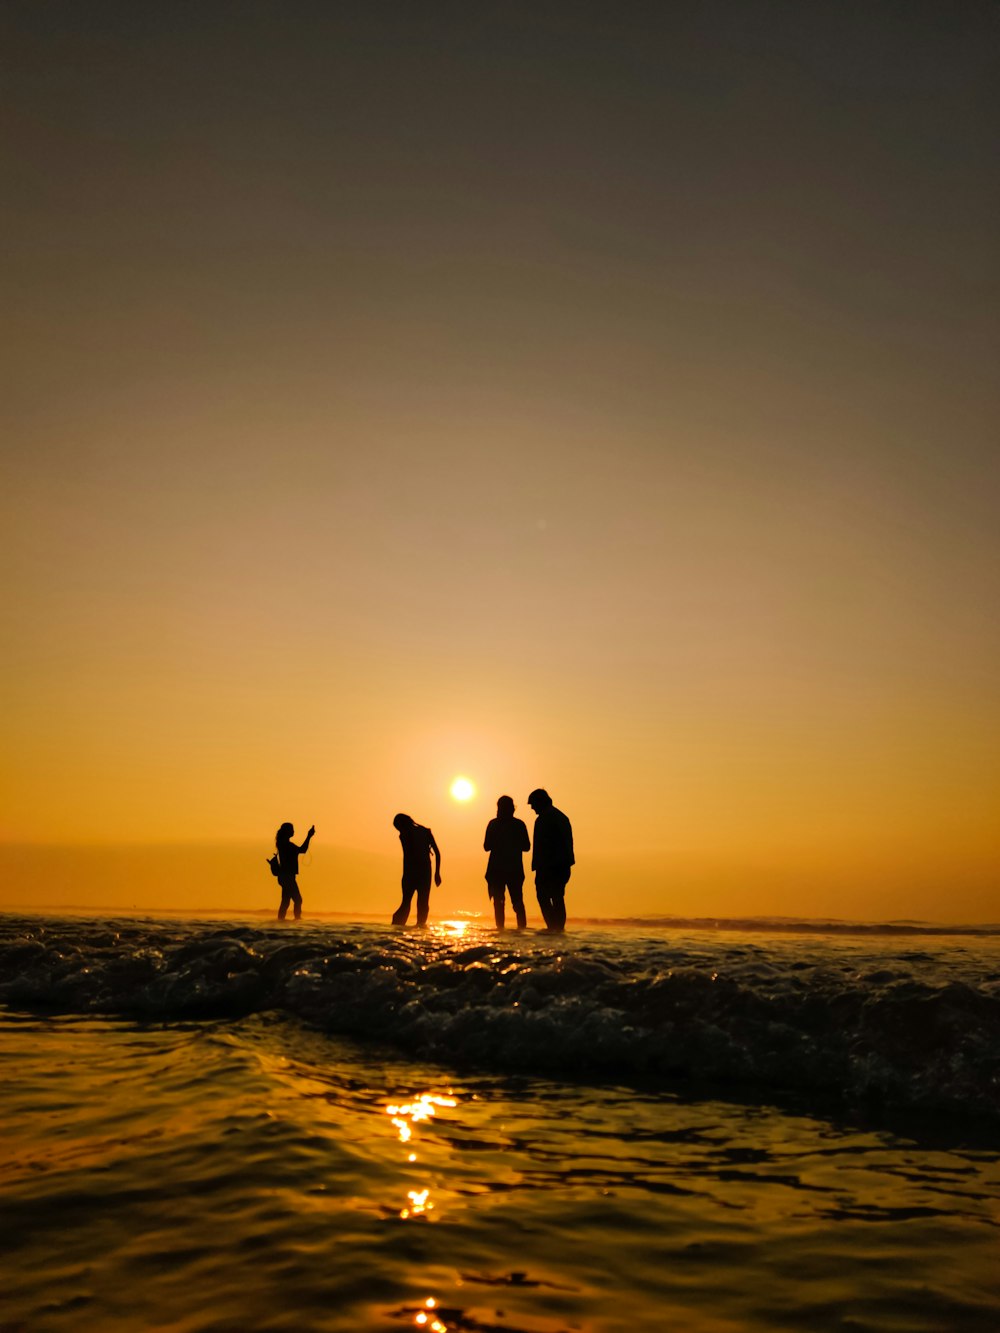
[
  {"x": 423, "y": 903},
  {"x": 402, "y": 912},
  {"x": 558, "y": 909},
  {"x": 297, "y": 900},
  {"x": 558, "y": 888},
  {"x": 517, "y": 902},
  {"x": 497, "y": 894},
  {"x": 285, "y": 900},
  {"x": 544, "y": 899}
]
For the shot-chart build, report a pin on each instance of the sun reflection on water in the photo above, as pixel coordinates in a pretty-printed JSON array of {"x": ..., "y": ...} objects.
[
  {"x": 405, "y": 1115},
  {"x": 420, "y": 1204},
  {"x": 426, "y": 1318}
]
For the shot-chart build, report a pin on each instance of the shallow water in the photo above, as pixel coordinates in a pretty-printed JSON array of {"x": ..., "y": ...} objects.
[
  {"x": 251, "y": 1172},
  {"x": 252, "y": 1175},
  {"x": 900, "y": 1024}
]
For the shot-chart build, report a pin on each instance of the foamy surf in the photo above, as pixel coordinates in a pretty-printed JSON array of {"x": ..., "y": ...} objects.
[{"x": 864, "y": 1022}]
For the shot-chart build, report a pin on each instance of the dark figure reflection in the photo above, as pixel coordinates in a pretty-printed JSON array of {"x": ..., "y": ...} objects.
[
  {"x": 552, "y": 858},
  {"x": 418, "y": 844},
  {"x": 506, "y": 840},
  {"x": 288, "y": 868}
]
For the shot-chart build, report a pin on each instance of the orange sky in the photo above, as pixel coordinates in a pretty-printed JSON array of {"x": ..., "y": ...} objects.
[{"x": 600, "y": 403}]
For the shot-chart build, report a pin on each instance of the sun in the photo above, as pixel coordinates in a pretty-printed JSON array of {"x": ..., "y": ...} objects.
[{"x": 462, "y": 789}]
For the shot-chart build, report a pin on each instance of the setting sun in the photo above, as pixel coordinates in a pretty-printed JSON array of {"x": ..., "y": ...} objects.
[{"x": 462, "y": 789}]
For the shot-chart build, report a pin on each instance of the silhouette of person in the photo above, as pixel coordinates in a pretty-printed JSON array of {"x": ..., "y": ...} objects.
[
  {"x": 552, "y": 858},
  {"x": 506, "y": 839},
  {"x": 418, "y": 843},
  {"x": 288, "y": 868}
]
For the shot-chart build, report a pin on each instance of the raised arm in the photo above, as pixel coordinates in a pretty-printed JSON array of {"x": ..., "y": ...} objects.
[{"x": 308, "y": 839}]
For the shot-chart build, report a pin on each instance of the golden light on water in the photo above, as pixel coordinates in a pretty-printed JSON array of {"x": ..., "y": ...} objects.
[
  {"x": 419, "y": 1204},
  {"x": 463, "y": 789},
  {"x": 405, "y": 1115},
  {"x": 405, "y": 1132}
]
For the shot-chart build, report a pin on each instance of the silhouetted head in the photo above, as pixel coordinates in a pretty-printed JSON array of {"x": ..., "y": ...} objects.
[
  {"x": 540, "y": 800},
  {"x": 283, "y": 834},
  {"x": 505, "y": 806},
  {"x": 403, "y": 821}
]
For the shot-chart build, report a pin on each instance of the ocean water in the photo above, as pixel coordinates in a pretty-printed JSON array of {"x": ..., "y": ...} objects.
[{"x": 229, "y": 1126}]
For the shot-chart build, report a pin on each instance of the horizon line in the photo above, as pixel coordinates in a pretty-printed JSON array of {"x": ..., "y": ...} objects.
[{"x": 792, "y": 925}]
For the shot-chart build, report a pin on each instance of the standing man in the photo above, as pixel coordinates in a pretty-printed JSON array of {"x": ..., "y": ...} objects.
[
  {"x": 418, "y": 844},
  {"x": 506, "y": 839},
  {"x": 552, "y": 858}
]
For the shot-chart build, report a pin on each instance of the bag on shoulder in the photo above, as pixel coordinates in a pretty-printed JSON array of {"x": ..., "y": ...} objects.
[{"x": 272, "y": 861}]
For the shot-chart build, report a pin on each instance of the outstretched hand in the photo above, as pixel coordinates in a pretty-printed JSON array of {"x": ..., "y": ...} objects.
[{"x": 312, "y": 830}]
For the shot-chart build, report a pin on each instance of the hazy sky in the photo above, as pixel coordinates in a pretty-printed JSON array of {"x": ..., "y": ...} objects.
[{"x": 599, "y": 396}]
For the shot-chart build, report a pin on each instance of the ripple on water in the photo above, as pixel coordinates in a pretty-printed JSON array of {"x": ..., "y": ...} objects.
[{"x": 257, "y": 1175}]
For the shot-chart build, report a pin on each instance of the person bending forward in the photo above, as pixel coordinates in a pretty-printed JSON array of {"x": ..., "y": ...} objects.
[{"x": 418, "y": 844}]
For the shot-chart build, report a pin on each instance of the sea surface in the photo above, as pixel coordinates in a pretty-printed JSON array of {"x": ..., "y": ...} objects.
[{"x": 333, "y": 1125}]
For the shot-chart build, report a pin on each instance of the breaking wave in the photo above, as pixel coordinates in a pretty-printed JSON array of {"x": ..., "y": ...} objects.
[{"x": 904, "y": 1023}]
